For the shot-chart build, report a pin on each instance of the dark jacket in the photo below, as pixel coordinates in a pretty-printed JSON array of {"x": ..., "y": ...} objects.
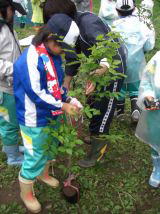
[{"x": 90, "y": 26}]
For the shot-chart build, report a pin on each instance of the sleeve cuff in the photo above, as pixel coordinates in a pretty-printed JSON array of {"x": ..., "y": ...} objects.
[{"x": 104, "y": 62}]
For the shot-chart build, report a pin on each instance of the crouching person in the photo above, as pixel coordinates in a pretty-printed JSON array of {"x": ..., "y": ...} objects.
[
  {"x": 38, "y": 78},
  {"x": 148, "y": 128},
  {"x": 138, "y": 39}
]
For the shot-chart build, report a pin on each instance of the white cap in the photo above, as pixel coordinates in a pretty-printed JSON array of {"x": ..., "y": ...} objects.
[{"x": 125, "y": 5}]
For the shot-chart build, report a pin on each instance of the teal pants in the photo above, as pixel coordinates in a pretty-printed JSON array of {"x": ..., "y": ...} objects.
[
  {"x": 36, "y": 153},
  {"x": 131, "y": 88},
  {"x": 9, "y": 128}
]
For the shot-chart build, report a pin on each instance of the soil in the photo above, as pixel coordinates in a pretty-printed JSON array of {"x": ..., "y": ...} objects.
[{"x": 10, "y": 194}]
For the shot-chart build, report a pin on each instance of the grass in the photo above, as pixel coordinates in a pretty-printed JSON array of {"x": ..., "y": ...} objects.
[{"x": 117, "y": 186}]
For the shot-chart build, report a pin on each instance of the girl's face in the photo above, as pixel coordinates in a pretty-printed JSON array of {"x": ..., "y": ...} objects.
[
  {"x": 10, "y": 14},
  {"x": 54, "y": 47}
]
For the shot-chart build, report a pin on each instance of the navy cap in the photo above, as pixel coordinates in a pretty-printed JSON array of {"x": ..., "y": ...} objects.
[{"x": 64, "y": 27}]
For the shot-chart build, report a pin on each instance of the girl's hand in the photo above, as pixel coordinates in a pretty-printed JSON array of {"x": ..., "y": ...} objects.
[
  {"x": 149, "y": 102},
  {"x": 100, "y": 71},
  {"x": 67, "y": 82},
  {"x": 70, "y": 109},
  {"x": 90, "y": 87},
  {"x": 149, "y": 98}
]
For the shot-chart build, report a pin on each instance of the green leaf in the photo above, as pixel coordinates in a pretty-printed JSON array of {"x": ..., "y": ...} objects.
[
  {"x": 69, "y": 151},
  {"x": 80, "y": 142}
]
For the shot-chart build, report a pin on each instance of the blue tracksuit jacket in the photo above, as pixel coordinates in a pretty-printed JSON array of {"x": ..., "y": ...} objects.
[{"x": 33, "y": 100}]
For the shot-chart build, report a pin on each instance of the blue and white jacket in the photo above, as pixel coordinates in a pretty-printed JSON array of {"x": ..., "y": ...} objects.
[{"x": 33, "y": 100}]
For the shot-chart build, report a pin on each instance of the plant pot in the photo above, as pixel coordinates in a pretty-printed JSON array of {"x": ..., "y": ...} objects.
[{"x": 71, "y": 192}]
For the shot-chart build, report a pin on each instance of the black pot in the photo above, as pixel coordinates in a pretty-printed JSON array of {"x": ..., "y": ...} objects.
[{"x": 71, "y": 193}]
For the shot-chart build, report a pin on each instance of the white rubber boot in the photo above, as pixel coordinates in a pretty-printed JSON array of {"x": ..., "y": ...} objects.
[
  {"x": 27, "y": 195},
  {"x": 46, "y": 178},
  {"x": 154, "y": 180},
  {"x": 14, "y": 157}
]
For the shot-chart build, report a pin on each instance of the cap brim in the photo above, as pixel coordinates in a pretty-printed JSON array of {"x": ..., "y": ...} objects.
[
  {"x": 69, "y": 51},
  {"x": 18, "y": 7},
  {"x": 66, "y": 47}
]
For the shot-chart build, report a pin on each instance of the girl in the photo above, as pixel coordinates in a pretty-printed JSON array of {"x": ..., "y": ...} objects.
[
  {"x": 109, "y": 14},
  {"x": 9, "y": 53},
  {"x": 39, "y": 96},
  {"x": 37, "y": 17},
  {"x": 138, "y": 39},
  {"x": 148, "y": 129}
]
